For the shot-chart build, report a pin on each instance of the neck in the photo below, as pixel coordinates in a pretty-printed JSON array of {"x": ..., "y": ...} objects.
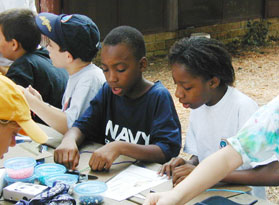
[
  {"x": 218, "y": 95},
  {"x": 76, "y": 66},
  {"x": 18, "y": 54},
  {"x": 140, "y": 88}
]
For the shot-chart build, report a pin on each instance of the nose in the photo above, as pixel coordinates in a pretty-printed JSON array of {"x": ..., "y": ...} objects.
[
  {"x": 112, "y": 77},
  {"x": 13, "y": 141},
  {"x": 179, "y": 92}
]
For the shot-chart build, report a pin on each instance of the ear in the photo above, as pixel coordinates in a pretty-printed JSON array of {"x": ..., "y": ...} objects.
[
  {"x": 15, "y": 44},
  {"x": 69, "y": 57},
  {"x": 214, "y": 82},
  {"x": 143, "y": 63}
]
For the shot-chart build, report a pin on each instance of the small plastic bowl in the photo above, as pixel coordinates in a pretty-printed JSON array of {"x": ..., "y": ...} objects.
[
  {"x": 9, "y": 180},
  {"x": 44, "y": 170},
  {"x": 70, "y": 179},
  {"x": 90, "y": 192},
  {"x": 20, "y": 167}
]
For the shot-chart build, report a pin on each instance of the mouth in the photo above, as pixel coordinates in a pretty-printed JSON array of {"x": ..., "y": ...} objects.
[
  {"x": 186, "y": 105},
  {"x": 116, "y": 91}
]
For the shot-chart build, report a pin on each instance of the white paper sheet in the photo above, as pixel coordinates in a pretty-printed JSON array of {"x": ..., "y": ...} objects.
[{"x": 131, "y": 181}]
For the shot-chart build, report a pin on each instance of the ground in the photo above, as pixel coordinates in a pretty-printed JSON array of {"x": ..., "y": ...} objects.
[{"x": 256, "y": 75}]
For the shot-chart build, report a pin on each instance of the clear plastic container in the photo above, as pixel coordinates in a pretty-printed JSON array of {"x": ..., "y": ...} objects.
[
  {"x": 20, "y": 167},
  {"x": 44, "y": 170},
  {"x": 70, "y": 179},
  {"x": 10, "y": 180},
  {"x": 90, "y": 192}
]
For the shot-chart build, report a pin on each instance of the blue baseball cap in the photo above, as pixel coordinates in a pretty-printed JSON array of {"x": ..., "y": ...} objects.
[{"x": 76, "y": 33}]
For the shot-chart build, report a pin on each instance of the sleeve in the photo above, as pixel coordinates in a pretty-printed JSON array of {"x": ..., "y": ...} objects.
[
  {"x": 190, "y": 145},
  {"x": 22, "y": 74},
  {"x": 258, "y": 140},
  {"x": 90, "y": 123},
  {"x": 84, "y": 92},
  {"x": 166, "y": 129}
]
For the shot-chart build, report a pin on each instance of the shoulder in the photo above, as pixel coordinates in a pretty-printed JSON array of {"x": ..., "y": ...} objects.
[
  {"x": 159, "y": 89},
  {"x": 90, "y": 74},
  {"x": 240, "y": 98}
]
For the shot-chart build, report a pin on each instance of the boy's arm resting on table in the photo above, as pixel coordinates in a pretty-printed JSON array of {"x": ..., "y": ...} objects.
[
  {"x": 67, "y": 152},
  {"x": 105, "y": 156},
  {"x": 266, "y": 175},
  {"x": 53, "y": 116},
  {"x": 206, "y": 174}
]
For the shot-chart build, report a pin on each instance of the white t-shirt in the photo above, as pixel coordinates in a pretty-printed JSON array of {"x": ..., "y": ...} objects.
[
  {"x": 10, "y": 4},
  {"x": 81, "y": 89},
  {"x": 209, "y": 124}
]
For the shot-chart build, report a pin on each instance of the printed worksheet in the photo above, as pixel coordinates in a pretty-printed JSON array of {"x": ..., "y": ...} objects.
[{"x": 131, "y": 181}]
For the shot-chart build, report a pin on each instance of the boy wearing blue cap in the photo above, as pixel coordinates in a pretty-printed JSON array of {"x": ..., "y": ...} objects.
[
  {"x": 31, "y": 66},
  {"x": 130, "y": 115},
  {"x": 73, "y": 41}
]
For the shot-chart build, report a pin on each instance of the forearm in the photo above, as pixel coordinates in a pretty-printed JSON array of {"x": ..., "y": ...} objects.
[
  {"x": 75, "y": 135},
  {"x": 267, "y": 175},
  {"x": 207, "y": 173},
  {"x": 150, "y": 153},
  {"x": 52, "y": 116}
]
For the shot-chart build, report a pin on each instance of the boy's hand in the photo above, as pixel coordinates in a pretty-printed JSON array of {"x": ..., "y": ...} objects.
[
  {"x": 34, "y": 92},
  {"x": 103, "y": 157},
  {"x": 181, "y": 172},
  {"x": 169, "y": 167},
  {"x": 67, "y": 154}
]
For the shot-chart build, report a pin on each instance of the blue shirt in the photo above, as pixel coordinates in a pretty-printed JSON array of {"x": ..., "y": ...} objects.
[{"x": 149, "y": 119}]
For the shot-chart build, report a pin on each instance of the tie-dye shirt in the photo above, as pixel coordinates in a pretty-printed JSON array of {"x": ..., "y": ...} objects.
[{"x": 258, "y": 140}]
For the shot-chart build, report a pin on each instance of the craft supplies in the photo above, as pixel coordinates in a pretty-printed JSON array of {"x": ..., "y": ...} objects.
[{"x": 20, "y": 167}]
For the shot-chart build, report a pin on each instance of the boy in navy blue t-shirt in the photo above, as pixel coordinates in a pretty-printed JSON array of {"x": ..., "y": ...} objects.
[{"x": 133, "y": 116}]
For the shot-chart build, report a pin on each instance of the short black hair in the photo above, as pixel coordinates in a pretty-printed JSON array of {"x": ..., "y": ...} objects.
[
  {"x": 203, "y": 57},
  {"x": 128, "y": 35},
  {"x": 19, "y": 24}
]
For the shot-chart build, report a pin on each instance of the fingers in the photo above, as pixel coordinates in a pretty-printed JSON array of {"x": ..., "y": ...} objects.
[
  {"x": 69, "y": 158},
  {"x": 99, "y": 163},
  {"x": 179, "y": 180},
  {"x": 179, "y": 173},
  {"x": 168, "y": 167}
]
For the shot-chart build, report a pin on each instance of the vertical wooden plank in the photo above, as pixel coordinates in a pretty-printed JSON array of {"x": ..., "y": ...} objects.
[
  {"x": 199, "y": 12},
  {"x": 271, "y": 8},
  {"x": 172, "y": 15},
  {"x": 52, "y": 6}
]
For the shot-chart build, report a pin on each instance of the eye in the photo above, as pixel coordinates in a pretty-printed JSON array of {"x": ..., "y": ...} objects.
[
  {"x": 187, "y": 88},
  {"x": 104, "y": 69},
  {"x": 121, "y": 70}
]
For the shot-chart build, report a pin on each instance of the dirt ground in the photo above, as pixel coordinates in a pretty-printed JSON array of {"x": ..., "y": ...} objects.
[{"x": 257, "y": 75}]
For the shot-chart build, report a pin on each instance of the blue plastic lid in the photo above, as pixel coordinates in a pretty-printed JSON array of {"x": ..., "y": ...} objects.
[
  {"x": 19, "y": 163},
  {"x": 64, "y": 178},
  {"x": 90, "y": 188},
  {"x": 49, "y": 169}
]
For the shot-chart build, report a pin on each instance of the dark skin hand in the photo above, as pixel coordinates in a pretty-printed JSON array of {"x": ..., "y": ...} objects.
[
  {"x": 102, "y": 158},
  {"x": 181, "y": 172},
  {"x": 168, "y": 168}
]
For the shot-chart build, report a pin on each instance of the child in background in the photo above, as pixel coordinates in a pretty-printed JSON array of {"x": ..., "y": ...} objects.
[
  {"x": 133, "y": 116},
  {"x": 5, "y": 5},
  {"x": 74, "y": 41},
  {"x": 203, "y": 72},
  {"x": 256, "y": 142},
  {"x": 15, "y": 115},
  {"x": 31, "y": 66}
]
